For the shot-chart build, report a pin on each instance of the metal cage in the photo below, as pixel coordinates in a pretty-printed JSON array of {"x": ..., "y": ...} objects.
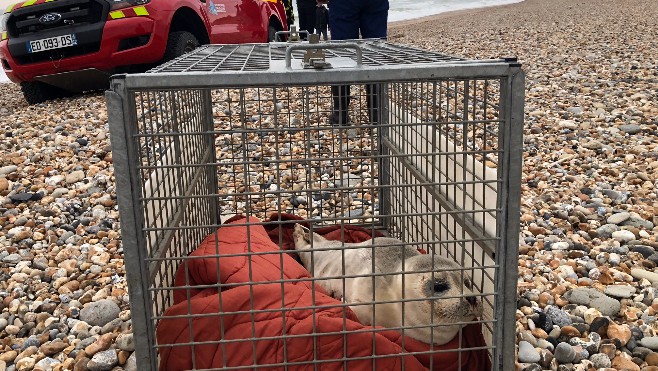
[{"x": 246, "y": 130}]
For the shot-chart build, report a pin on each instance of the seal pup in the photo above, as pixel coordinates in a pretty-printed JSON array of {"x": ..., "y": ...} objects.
[{"x": 446, "y": 293}]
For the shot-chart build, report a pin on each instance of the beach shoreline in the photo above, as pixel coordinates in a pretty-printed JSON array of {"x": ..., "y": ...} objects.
[{"x": 403, "y": 24}]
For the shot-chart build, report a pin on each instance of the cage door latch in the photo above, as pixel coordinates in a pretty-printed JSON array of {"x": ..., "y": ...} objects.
[{"x": 315, "y": 58}]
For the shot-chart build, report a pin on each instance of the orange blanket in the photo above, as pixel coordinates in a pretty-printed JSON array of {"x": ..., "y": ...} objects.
[{"x": 272, "y": 323}]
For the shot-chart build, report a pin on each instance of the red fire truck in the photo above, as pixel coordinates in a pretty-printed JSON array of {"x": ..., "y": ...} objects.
[{"x": 55, "y": 47}]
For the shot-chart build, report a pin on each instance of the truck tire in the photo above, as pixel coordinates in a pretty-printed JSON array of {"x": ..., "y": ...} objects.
[
  {"x": 179, "y": 43},
  {"x": 37, "y": 92}
]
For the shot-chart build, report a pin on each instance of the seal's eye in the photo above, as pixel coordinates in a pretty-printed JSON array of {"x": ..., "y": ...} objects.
[{"x": 440, "y": 286}]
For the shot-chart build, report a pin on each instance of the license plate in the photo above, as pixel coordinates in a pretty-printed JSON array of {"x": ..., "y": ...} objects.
[{"x": 50, "y": 43}]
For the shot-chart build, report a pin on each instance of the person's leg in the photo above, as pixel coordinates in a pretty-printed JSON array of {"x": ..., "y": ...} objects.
[
  {"x": 344, "y": 24},
  {"x": 374, "y": 19},
  {"x": 306, "y": 20},
  {"x": 373, "y": 24},
  {"x": 344, "y": 20}
]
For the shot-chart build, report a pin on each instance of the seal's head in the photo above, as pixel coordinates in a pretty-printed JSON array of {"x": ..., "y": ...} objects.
[{"x": 448, "y": 302}]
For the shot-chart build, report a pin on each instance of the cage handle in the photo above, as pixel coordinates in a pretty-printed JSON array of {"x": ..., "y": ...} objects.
[{"x": 356, "y": 47}]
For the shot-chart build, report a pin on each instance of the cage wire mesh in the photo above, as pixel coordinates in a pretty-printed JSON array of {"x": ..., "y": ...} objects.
[{"x": 228, "y": 130}]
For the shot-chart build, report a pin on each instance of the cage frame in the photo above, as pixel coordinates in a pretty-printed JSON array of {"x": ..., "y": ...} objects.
[{"x": 121, "y": 108}]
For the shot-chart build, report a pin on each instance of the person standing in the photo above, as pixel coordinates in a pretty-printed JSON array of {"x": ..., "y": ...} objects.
[
  {"x": 306, "y": 12},
  {"x": 321, "y": 20},
  {"x": 351, "y": 19}
]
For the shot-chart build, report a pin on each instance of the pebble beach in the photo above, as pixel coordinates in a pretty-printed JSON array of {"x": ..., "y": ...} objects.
[{"x": 587, "y": 285}]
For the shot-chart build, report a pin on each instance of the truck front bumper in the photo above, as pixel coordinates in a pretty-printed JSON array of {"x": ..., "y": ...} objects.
[{"x": 117, "y": 49}]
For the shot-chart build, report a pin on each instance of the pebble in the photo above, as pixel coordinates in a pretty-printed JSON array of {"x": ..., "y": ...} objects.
[
  {"x": 642, "y": 273},
  {"x": 527, "y": 353},
  {"x": 620, "y": 291},
  {"x": 595, "y": 299},
  {"x": 620, "y": 332},
  {"x": 125, "y": 342},
  {"x": 651, "y": 358},
  {"x": 103, "y": 361},
  {"x": 600, "y": 360},
  {"x": 564, "y": 353},
  {"x": 100, "y": 313},
  {"x": 131, "y": 363},
  {"x": 624, "y": 362},
  {"x": 650, "y": 342},
  {"x": 25, "y": 364},
  {"x": 46, "y": 364},
  {"x": 75, "y": 176},
  {"x": 623, "y": 236},
  {"x": 618, "y": 218}
]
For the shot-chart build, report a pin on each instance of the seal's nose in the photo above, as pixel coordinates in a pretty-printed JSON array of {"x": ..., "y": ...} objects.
[{"x": 472, "y": 300}]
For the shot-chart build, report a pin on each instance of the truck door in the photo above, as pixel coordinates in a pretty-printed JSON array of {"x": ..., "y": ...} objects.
[
  {"x": 223, "y": 15},
  {"x": 252, "y": 22}
]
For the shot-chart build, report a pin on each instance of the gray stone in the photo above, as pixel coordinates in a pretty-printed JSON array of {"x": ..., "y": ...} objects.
[
  {"x": 630, "y": 128},
  {"x": 593, "y": 298},
  {"x": 620, "y": 291},
  {"x": 638, "y": 222},
  {"x": 527, "y": 336},
  {"x": 541, "y": 343},
  {"x": 623, "y": 236},
  {"x": 100, "y": 313},
  {"x": 103, "y": 361},
  {"x": 111, "y": 326},
  {"x": 646, "y": 251},
  {"x": 125, "y": 342},
  {"x": 527, "y": 353},
  {"x": 8, "y": 169},
  {"x": 131, "y": 363},
  {"x": 606, "y": 230},
  {"x": 641, "y": 273},
  {"x": 641, "y": 352},
  {"x": 558, "y": 316},
  {"x": 614, "y": 195},
  {"x": 650, "y": 342},
  {"x": 618, "y": 218},
  {"x": 12, "y": 259},
  {"x": 31, "y": 341},
  {"x": 564, "y": 353},
  {"x": 606, "y": 305},
  {"x": 600, "y": 360},
  {"x": 46, "y": 364}
]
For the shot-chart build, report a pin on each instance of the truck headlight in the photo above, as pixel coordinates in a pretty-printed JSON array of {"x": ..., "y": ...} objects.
[
  {"x": 3, "y": 22},
  {"x": 120, "y": 4}
]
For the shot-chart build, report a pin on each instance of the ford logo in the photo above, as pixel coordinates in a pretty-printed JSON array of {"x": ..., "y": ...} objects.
[{"x": 49, "y": 18}]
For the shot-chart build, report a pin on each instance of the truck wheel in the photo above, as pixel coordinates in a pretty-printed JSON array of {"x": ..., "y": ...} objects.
[
  {"x": 179, "y": 43},
  {"x": 271, "y": 34},
  {"x": 38, "y": 92}
]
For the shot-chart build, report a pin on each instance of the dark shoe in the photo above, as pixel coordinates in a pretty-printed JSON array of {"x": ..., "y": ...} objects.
[{"x": 336, "y": 119}]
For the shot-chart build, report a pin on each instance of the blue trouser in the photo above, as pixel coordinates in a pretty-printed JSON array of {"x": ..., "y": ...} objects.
[
  {"x": 351, "y": 19},
  {"x": 306, "y": 19},
  {"x": 348, "y": 18}
]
